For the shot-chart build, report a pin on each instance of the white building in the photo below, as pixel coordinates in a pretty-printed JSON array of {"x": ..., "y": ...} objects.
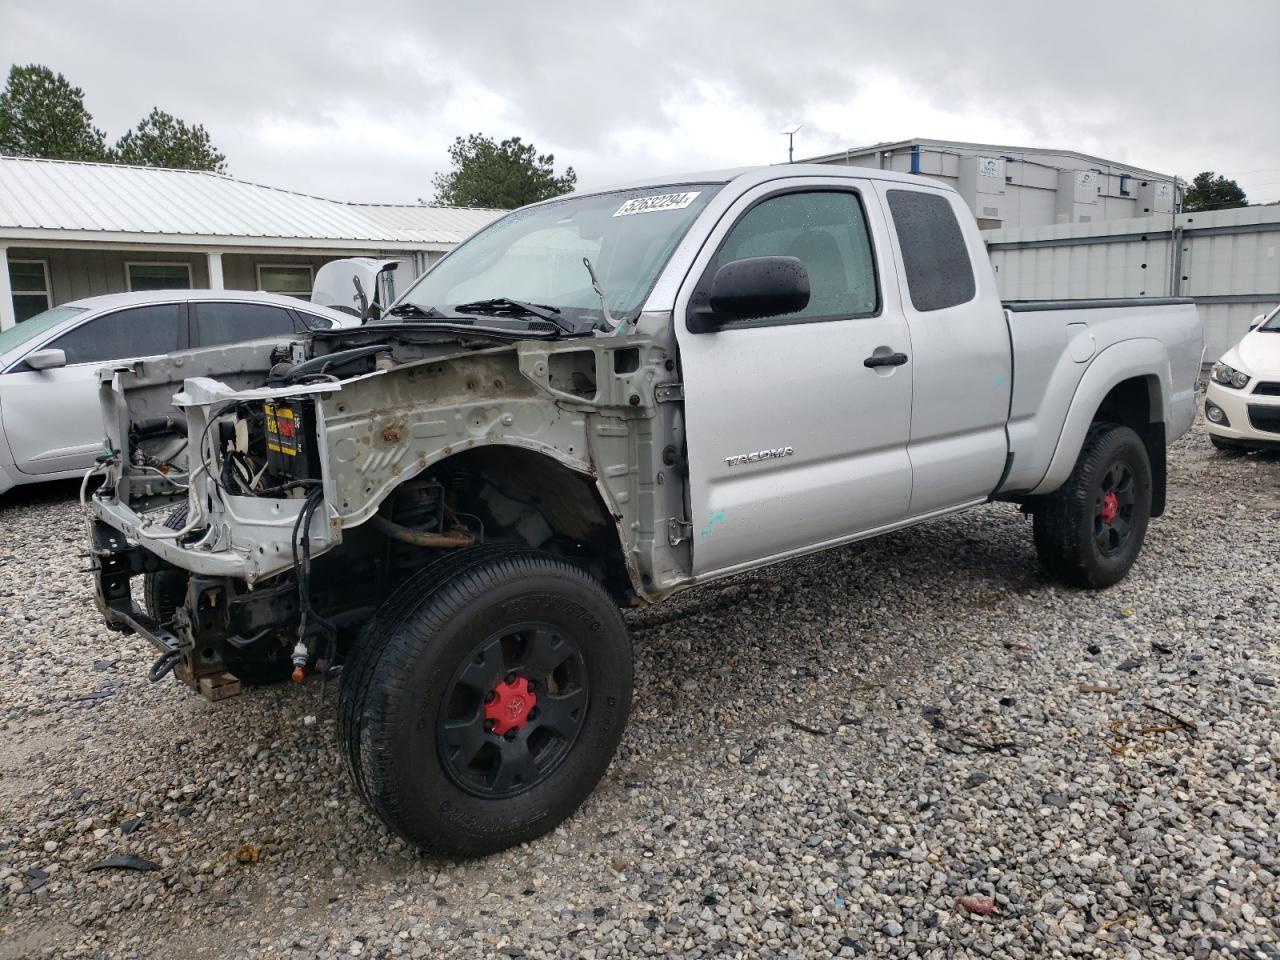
[
  {"x": 1025, "y": 186},
  {"x": 71, "y": 230}
]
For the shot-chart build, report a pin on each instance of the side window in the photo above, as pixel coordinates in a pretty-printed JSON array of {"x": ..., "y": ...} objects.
[
  {"x": 217, "y": 323},
  {"x": 824, "y": 230},
  {"x": 939, "y": 273},
  {"x": 316, "y": 323},
  {"x": 137, "y": 332}
]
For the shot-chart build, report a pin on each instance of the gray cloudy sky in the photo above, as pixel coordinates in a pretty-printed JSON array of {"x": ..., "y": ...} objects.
[{"x": 360, "y": 101}]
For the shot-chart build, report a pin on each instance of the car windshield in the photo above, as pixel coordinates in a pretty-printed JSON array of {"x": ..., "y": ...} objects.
[
  {"x": 535, "y": 255},
  {"x": 1272, "y": 323},
  {"x": 32, "y": 327}
]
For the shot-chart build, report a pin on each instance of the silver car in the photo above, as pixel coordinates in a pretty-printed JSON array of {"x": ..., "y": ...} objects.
[{"x": 50, "y": 419}]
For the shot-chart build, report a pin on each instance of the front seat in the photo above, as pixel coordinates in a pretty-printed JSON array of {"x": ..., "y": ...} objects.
[{"x": 828, "y": 284}]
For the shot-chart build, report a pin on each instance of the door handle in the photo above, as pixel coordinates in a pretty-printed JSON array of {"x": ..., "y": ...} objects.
[{"x": 885, "y": 360}]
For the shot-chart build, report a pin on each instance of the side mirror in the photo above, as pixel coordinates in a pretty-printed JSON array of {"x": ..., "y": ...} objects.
[
  {"x": 752, "y": 288},
  {"x": 46, "y": 359}
]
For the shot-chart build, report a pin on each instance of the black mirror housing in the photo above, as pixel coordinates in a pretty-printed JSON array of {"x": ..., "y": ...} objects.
[{"x": 753, "y": 288}]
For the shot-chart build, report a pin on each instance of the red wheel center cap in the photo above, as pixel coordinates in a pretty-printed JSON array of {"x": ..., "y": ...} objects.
[
  {"x": 1110, "y": 507},
  {"x": 510, "y": 706}
]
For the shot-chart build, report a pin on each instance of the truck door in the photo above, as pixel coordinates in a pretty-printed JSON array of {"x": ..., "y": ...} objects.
[
  {"x": 961, "y": 359},
  {"x": 794, "y": 442}
]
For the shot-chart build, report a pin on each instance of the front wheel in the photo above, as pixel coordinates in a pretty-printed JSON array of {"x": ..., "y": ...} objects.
[
  {"x": 486, "y": 700},
  {"x": 1226, "y": 446},
  {"x": 1089, "y": 531}
]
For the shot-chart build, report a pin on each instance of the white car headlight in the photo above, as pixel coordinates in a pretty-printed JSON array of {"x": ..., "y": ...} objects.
[{"x": 1229, "y": 376}]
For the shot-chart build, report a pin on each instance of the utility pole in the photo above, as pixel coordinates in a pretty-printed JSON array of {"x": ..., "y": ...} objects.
[
  {"x": 790, "y": 134},
  {"x": 1175, "y": 244}
]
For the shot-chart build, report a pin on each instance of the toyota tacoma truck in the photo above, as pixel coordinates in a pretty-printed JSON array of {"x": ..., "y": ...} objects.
[{"x": 591, "y": 404}]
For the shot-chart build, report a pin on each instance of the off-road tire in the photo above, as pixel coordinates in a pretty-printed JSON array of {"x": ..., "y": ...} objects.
[
  {"x": 393, "y": 697},
  {"x": 1067, "y": 522}
]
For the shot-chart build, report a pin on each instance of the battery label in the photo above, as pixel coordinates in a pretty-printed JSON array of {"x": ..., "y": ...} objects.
[{"x": 282, "y": 429}]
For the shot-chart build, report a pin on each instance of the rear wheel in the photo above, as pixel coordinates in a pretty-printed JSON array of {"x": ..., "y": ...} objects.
[
  {"x": 1090, "y": 530},
  {"x": 486, "y": 700}
]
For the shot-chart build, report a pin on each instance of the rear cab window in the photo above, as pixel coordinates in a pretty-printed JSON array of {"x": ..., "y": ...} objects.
[{"x": 935, "y": 258}]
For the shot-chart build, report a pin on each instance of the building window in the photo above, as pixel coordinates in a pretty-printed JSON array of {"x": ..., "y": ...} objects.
[
  {"x": 292, "y": 280},
  {"x": 159, "y": 276},
  {"x": 29, "y": 280}
]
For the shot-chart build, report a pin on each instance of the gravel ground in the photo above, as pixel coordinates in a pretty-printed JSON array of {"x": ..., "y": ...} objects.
[{"x": 858, "y": 750}]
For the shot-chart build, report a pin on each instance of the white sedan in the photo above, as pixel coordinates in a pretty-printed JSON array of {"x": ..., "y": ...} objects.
[
  {"x": 1242, "y": 401},
  {"x": 50, "y": 422}
]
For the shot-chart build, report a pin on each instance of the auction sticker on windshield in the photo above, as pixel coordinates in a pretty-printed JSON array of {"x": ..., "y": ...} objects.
[{"x": 665, "y": 201}]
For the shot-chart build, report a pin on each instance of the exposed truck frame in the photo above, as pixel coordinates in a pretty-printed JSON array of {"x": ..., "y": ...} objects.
[{"x": 445, "y": 489}]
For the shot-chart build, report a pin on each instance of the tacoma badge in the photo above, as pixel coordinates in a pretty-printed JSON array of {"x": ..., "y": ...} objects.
[{"x": 774, "y": 454}]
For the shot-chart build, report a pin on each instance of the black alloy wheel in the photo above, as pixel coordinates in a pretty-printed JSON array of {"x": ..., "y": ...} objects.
[
  {"x": 513, "y": 710},
  {"x": 485, "y": 699},
  {"x": 1089, "y": 531},
  {"x": 1113, "y": 509}
]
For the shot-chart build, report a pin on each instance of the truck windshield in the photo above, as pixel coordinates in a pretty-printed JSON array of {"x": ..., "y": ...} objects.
[
  {"x": 535, "y": 255},
  {"x": 1271, "y": 323}
]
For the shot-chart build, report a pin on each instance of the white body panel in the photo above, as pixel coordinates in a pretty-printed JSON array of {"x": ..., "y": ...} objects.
[{"x": 1253, "y": 411}]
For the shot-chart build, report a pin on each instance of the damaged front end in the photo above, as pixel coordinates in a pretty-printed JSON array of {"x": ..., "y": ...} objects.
[{"x": 269, "y": 497}]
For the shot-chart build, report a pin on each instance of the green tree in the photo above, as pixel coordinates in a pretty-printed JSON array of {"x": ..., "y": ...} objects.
[
  {"x": 42, "y": 115},
  {"x": 162, "y": 140},
  {"x": 503, "y": 175},
  {"x": 1209, "y": 192}
]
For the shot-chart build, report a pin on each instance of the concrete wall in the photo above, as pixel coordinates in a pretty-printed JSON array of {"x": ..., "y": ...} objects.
[{"x": 1228, "y": 261}]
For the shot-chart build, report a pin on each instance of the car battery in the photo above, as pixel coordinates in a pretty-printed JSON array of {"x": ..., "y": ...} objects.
[{"x": 290, "y": 430}]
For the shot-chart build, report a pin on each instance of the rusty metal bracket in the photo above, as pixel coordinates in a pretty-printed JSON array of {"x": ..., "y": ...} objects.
[{"x": 668, "y": 392}]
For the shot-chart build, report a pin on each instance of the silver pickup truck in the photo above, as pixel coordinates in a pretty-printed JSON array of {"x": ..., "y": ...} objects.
[{"x": 593, "y": 403}]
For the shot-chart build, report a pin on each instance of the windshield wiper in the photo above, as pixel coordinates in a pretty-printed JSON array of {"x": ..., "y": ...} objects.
[
  {"x": 498, "y": 305},
  {"x": 413, "y": 310},
  {"x": 510, "y": 317}
]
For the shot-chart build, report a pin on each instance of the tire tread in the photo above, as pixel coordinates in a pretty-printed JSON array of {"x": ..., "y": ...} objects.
[
  {"x": 1062, "y": 518},
  {"x": 377, "y": 674}
]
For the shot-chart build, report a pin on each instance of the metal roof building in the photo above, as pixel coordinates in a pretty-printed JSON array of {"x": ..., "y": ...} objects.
[
  {"x": 1025, "y": 186},
  {"x": 70, "y": 230}
]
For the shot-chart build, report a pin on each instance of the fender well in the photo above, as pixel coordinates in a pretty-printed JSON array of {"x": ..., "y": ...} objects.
[
  {"x": 1131, "y": 403},
  {"x": 1124, "y": 384},
  {"x": 520, "y": 495}
]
